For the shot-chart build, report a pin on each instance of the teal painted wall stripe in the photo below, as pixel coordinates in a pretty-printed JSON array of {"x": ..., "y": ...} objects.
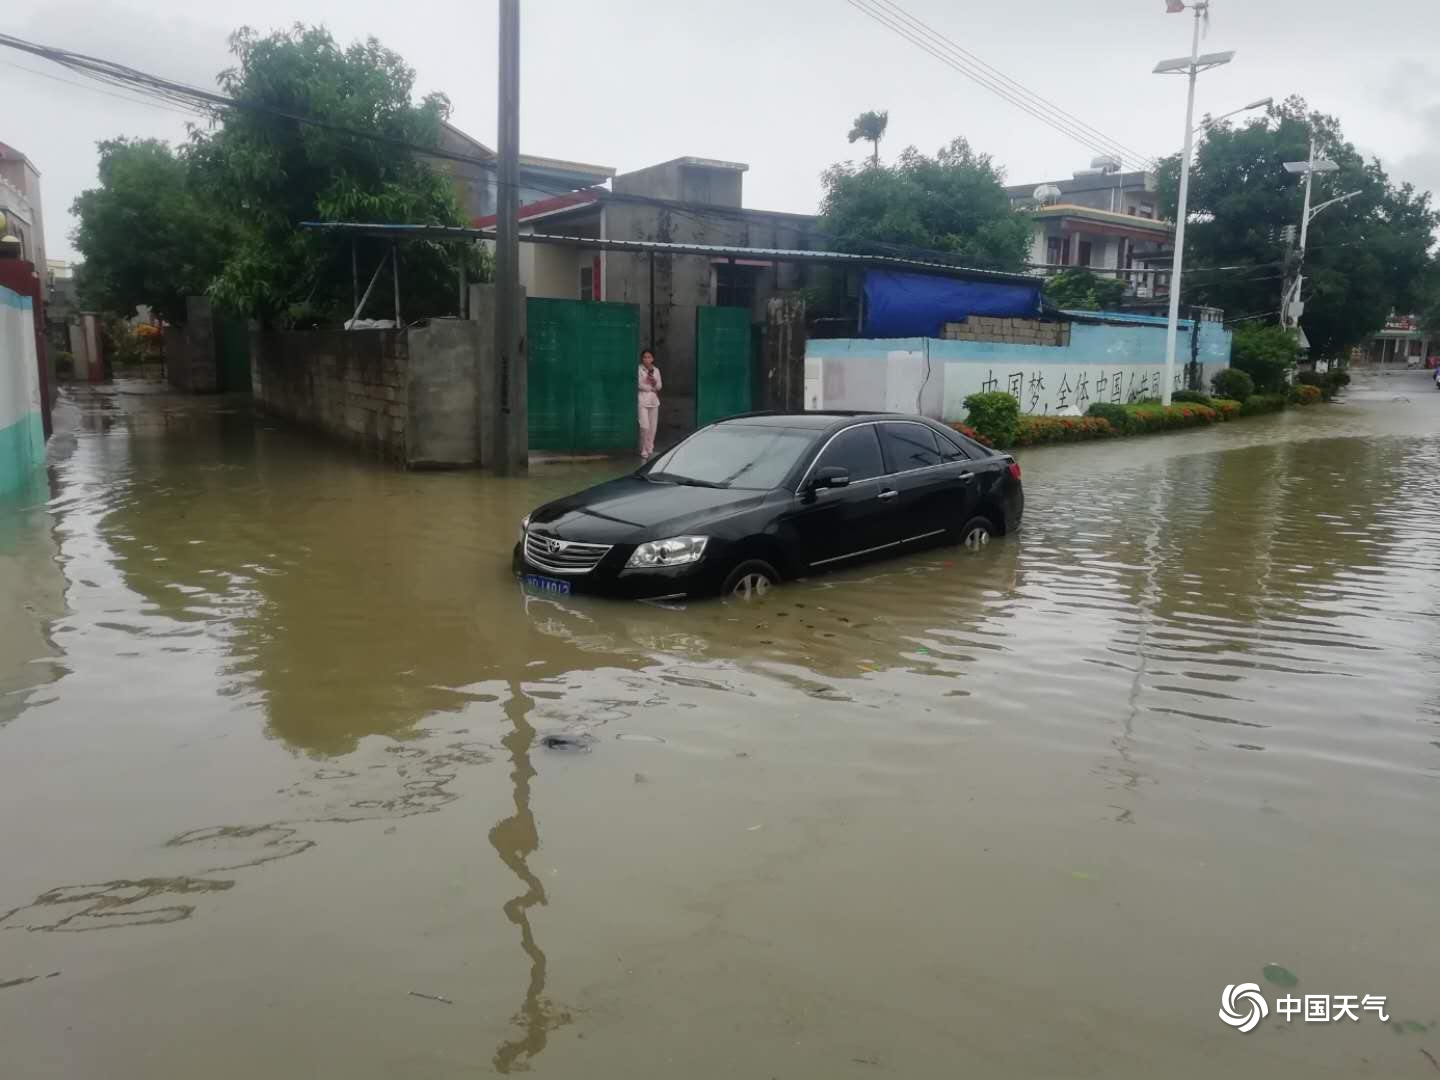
[{"x": 22, "y": 451}]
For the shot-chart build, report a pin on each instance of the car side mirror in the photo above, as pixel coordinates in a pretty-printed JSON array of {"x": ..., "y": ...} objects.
[{"x": 831, "y": 476}]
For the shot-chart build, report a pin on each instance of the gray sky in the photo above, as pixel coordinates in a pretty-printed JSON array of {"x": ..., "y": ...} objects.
[{"x": 774, "y": 84}]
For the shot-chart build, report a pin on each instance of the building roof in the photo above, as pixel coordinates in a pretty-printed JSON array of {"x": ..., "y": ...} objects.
[
  {"x": 702, "y": 163},
  {"x": 575, "y": 200},
  {"x": 1087, "y": 181},
  {"x": 8, "y": 151},
  {"x": 1060, "y": 211},
  {"x": 535, "y": 161},
  {"x": 719, "y": 251}
]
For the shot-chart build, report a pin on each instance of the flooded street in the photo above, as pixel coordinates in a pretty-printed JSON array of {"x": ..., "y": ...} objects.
[{"x": 278, "y": 800}]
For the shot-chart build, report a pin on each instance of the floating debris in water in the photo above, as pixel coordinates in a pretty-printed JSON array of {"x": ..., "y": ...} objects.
[
  {"x": 432, "y": 997},
  {"x": 579, "y": 744},
  {"x": 1280, "y": 975}
]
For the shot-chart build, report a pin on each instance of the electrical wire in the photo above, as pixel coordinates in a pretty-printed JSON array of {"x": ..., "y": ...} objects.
[
  {"x": 1117, "y": 148},
  {"x": 1031, "y": 105}
]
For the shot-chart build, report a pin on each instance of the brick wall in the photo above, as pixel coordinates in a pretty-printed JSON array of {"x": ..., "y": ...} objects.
[
  {"x": 1008, "y": 331},
  {"x": 350, "y": 384}
]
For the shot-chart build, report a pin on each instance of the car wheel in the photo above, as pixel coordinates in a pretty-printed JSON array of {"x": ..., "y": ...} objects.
[
  {"x": 751, "y": 580},
  {"x": 976, "y": 533}
]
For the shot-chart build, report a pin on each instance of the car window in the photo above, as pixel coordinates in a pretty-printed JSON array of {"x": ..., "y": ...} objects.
[
  {"x": 856, "y": 451},
  {"x": 950, "y": 449},
  {"x": 908, "y": 446},
  {"x": 754, "y": 456}
]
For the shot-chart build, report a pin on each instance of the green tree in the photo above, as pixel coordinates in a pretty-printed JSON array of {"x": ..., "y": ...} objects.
[
  {"x": 270, "y": 173},
  {"x": 1365, "y": 257},
  {"x": 1081, "y": 290},
  {"x": 870, "y": 126},
  {"x": 951, "y": 203},
  {"x": 145, "y": 236},
  {"x": 1266, "y": 352}
]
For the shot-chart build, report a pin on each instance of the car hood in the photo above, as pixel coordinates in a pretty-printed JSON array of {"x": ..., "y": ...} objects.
[{"x": 630, "y": 510}]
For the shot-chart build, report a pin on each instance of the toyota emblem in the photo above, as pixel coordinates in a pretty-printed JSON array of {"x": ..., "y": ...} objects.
[{"x": 555, "y": 546}]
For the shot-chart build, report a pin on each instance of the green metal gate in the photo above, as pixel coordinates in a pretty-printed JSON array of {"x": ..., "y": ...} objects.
[
  {"x": 722, "y": 362},
  {"x": 232, "y": 355},
  {"x": 581, "y": 374}
]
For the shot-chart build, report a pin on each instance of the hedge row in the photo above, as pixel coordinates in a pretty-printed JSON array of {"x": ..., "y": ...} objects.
[{"x": 997, "y": 421}]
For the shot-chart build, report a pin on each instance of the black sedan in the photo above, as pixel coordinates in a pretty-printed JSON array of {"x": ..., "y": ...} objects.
[{"x": 753, "y": 500}]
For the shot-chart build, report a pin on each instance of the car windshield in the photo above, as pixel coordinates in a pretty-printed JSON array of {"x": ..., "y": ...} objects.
[{"x": 755, "y": 456}]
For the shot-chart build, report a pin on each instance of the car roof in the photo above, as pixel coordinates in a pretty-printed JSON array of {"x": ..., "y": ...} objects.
[{"x": 818, "y": 419}]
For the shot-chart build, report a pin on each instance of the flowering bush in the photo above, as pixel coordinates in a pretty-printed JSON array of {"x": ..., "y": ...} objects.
[
  {"x": 1227, "y": 409},
  {"x": 1305, "y": 394},
  {"x": 1039, "y": 430},
  {"x": 971, "y": 433}
]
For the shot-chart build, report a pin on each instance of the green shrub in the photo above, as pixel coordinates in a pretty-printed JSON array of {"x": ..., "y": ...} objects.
[
  {"x": 1227, "y": 409},
  {"x": 1256, "y": 404},
  {"x": 1337, "y": 377},
  {"x": 1195, "y": 397},
  {"x": 1117, "y": 416},
  {"x": 1266, "y": 353},
  {"x": 1234, "y": 384},
  {"x": 1305, "y": 394},
  {"x": 1309, "y": 378},
  {"x": 1039, "y": 430},
  {"x": 995, "y": 415}
]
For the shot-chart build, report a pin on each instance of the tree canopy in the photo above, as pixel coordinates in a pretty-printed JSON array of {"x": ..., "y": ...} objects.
[
  {"x": 1079, "y": 289},
  {"x": 252, "y": 177},
  {"x": 871, "y": 126},
  {"x": 145, "y": 235},
  {"x": 951, "y": 203},
  {"x": 1365, "y": 257}
]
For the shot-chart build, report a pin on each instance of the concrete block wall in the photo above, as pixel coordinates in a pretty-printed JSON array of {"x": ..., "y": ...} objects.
[
  {"x": 190, "y": 361},
  {"x": 1008, "y": 331},
  {"x": 350, "y": 384}
]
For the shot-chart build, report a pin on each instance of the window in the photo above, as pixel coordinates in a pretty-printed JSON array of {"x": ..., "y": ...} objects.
[
  {"x": 908, "y": 446},
  {"x": 1083, "y": 259},
  {"x": 950, "y": 451},
  {"x": 587, "y": 283},
  {"x": 1055, "y": 251},
  {"x": 856, "y": 451},
  {"x": 734, "y": 285},
  {"x": 750, "y": 456}
]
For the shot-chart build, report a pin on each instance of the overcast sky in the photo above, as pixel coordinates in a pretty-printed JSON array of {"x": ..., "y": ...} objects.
[{"x": 774, "y": 84}]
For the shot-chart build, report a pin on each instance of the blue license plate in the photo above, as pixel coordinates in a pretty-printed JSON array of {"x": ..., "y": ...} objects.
[{"x": 553, "y": 586}]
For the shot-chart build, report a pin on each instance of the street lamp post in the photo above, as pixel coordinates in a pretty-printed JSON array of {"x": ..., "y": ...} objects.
[
  {"x": 1293, "y": 307},
  {"x": 1190, "y": 65}
]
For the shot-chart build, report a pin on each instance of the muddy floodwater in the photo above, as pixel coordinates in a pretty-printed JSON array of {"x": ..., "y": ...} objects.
[{"x": 295, "y": 782}]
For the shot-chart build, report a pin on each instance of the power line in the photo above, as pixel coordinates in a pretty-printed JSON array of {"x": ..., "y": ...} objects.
[
  {"x": 1118, "y": 148},
  {"x": 1031, "y": 104}
]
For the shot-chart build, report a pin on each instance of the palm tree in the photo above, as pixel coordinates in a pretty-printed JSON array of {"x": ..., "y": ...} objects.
[{"x": 870, "y": 126}]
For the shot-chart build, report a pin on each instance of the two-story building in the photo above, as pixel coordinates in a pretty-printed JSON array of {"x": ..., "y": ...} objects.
[
  {"x": 20, "y": 207},
  {"x": 1102, "y": 219}
]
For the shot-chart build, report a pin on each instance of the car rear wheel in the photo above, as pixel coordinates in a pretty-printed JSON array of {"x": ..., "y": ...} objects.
[
  {"x": 751, "y": 580},
  {"x": 976, "y": 533}
]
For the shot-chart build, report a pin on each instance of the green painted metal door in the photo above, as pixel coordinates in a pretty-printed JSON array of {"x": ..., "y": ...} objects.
[
  {"x": 581, "y": 374},
  {"x": 232, "y": 355},
  {"x": 722, "y": 362}
]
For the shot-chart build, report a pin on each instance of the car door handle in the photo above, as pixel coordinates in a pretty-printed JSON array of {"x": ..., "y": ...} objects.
[
  {"x": 966, "y": 477},
  {"x": 890, "y": 494}
]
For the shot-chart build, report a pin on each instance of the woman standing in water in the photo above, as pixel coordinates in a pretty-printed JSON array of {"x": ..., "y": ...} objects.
[{"x": 648, "y": 402}]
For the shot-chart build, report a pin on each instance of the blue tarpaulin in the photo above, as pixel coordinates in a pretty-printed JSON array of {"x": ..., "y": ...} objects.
[{"x": 917, "y": 305}]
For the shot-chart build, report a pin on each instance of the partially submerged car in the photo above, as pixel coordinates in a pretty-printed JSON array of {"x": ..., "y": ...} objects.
[{"x": 753, "y": 500}]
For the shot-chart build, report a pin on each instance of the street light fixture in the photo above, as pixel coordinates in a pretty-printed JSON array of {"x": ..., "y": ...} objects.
[
  {"x": 1211, "y": 121},
  {"x": 1190, "y": 66}
]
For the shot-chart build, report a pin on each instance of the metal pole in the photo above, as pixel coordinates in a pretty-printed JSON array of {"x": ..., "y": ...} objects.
[
  {"x": 510, "y": 459},
  {"x": 1173, "y": 328},
  {"x": 354, "y": 274},
  {"x": 395, "y": 274},
  {"x": 459, "y": 281},
  {"x": 1285, "y": 319},
  {"x": 652, "y": 300}
]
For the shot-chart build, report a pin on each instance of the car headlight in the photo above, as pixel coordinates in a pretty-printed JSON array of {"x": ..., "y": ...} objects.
[
  {"x": 676, "y": 551},
  {"x": 524, "y": 526}
]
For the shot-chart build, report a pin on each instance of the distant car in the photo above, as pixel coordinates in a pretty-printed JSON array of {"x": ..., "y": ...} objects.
[{"x": 753, "y": 500}]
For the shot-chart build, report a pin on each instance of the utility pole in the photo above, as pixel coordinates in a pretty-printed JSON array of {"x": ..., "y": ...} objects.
[{"x": 511, "y": 454}]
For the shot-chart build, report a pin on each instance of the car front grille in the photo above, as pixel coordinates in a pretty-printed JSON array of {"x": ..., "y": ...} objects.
[{"x": 562, "y": 556}]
